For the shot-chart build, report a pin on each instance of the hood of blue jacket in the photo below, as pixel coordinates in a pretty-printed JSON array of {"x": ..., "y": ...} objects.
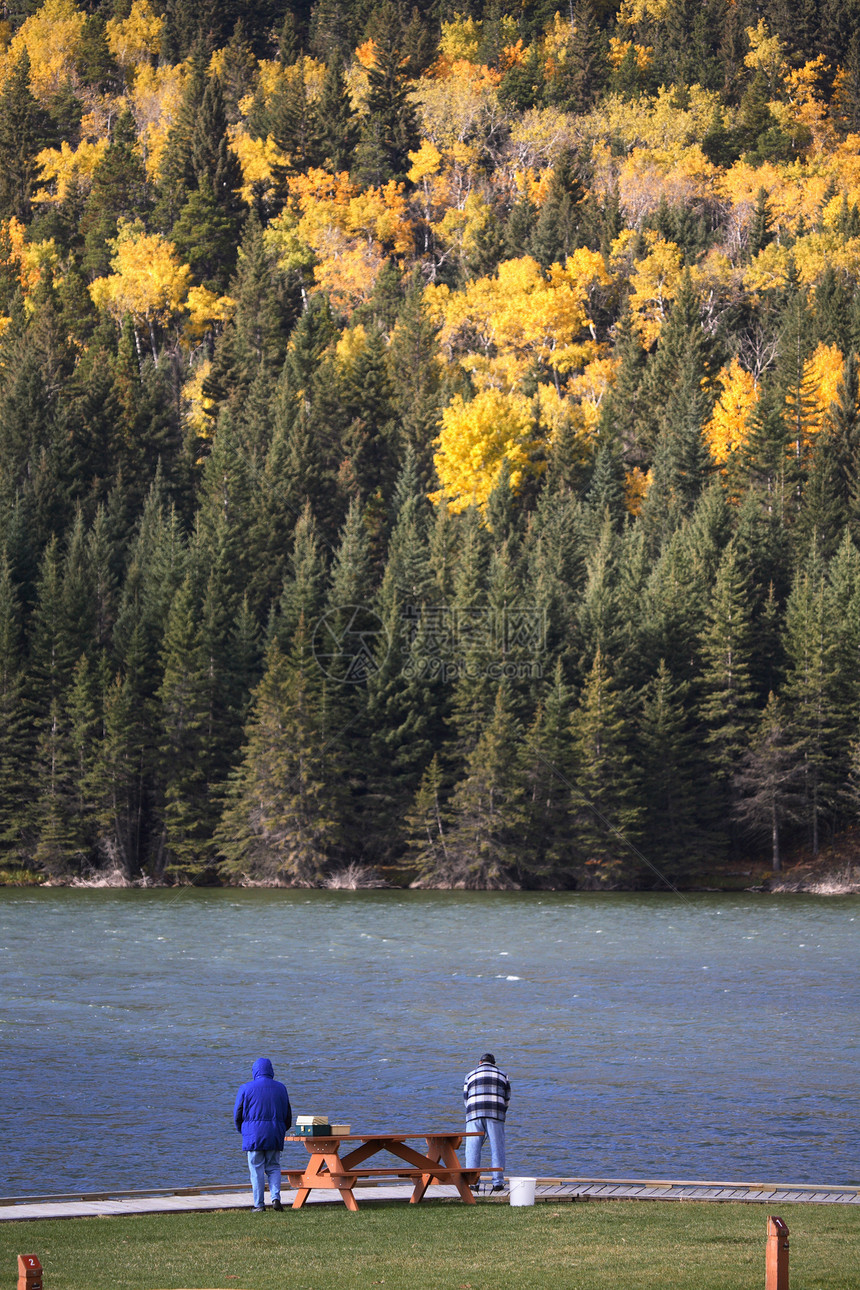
[{"x": 263, "y": 1069}]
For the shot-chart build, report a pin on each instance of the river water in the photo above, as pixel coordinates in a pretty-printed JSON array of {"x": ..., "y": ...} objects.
[{"x": 705, "y": 1036}]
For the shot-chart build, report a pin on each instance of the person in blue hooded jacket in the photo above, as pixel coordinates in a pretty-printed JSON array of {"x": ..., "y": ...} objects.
[{"x": 262, "y": 1115}]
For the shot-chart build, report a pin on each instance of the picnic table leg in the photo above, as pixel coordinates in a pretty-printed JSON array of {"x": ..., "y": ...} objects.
[
  {"x": 449, "y": 1157},
  {"x": 422, "y": 1183},
  {"x": 330, "y": 1166}
]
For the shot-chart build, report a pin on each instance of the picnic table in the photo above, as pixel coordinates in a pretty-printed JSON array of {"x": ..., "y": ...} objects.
[{"x": 329, "y": 1170}]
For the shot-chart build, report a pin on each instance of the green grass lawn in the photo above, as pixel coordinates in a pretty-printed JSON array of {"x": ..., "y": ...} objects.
[{"x": 591, "y": 1246}]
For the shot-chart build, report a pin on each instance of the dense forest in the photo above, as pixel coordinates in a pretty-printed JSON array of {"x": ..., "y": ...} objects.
[{"x": 428, "y": 438}]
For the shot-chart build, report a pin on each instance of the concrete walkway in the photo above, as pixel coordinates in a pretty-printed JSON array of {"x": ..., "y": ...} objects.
[
  {"x": 173, "y": 1203},
  {"x": 553, "y": 1190}
]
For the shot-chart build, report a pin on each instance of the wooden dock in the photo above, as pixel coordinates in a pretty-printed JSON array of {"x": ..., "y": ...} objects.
[{"x": 551, "y": 1190}]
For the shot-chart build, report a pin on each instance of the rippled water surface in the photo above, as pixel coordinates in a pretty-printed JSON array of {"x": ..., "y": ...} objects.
[{"x": 644, "y": 1035}]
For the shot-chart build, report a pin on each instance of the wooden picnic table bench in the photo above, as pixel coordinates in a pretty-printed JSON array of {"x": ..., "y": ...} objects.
[{"x": 328, "y": 1170}]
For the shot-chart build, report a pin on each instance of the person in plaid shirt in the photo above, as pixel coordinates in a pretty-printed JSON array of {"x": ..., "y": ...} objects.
[{"x": 487, "y": 1092}]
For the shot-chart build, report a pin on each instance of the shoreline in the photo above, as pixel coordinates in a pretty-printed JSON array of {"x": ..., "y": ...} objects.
[{"x": 823, "y": 883}]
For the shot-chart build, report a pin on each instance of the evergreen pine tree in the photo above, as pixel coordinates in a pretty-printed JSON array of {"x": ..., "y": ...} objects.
[
  {"x": 15, "y": 731},
  {"x": 427, "y": 828},
  {"x": 820, "y": 719},
  {"x": 606, "y": 796},
  {"x": 486, "y": 807},
  {"x": 119, "y": 190},
  {"x": 581, "y": 73},
  {"x": 546, "y": 769},
  {"x": 768, "y": 781},
  {"x": 280, "y": 822},
  {"x": 335, "y": 128},
  {"x": 556, "y": 233},
  {"x": 726, "y": 702},
  {"x": 761, "y": 225},
  {"x": 25, "y": 129},
  {"x": 390, "y": 131},
  {"x": 183, "y": 699},
  {"x": 671, "y": 776}
]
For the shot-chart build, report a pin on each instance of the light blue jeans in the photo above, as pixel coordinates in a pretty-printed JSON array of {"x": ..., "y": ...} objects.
[
  {"x": 495, "y": 1131},
  {"x": 262, "y": 1165}
]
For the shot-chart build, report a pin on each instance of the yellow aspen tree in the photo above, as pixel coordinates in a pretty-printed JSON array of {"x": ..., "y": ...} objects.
[
  {"x": 197, "y": 407},
  {"x": 822, "y": 374},
  {"x": 52, "y": 38},
  {"x": 654, "y": 284},
  {"x": 27, "y": 260},
  {"x": 135, "y": 40},
  {"x": 259, "y": 159},
  {"x": 500, "y": 326},
  {"x": 206, "y": 313},
  {"x": 766, "y": 53},
  {"x": 729, "y": 426},
  {"x": 65, "y": 168},
  {"x": 461, "y": 38},
  {"x": 476, "y": 439},
  {"x": 155, "y": 98},
  {"x": 148, "y": 282}
]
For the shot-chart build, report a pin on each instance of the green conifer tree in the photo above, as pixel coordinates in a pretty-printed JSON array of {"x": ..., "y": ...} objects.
[
  {"x": 725, "y": 706},
  {"x": 556, "y": 232},
  {"x": 15, "y": 732},
  {"x": 768, "y": 781},
  {"x": 548, "y": 852},
  {"x": 390, "y": 131},
  {"x": 281, "y": 818},
  {"x": 820, "y": 720},
  {"x": 486, "y": 807},
  {"x": 606, "y": 796},
  {"x": 334, "y": 124},
  {"x": 671, "y": 776},
  {"x": 427, "y": 829},
  {"x": 184, "y": 709},
  {"x": 25, "y": 129}
]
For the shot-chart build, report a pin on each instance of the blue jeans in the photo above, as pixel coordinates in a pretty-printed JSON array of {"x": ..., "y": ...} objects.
[
  {"x": 495, "y": 1131},
  {"x": 262, "y": 1165}
]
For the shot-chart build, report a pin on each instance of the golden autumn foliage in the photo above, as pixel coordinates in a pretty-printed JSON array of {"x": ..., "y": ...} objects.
[
  {"x": 822, "y": 374},
  {"x": 461, "y": 106},
  {"x": 500, "y": 326},
  {"x": 136, "y": 39},
  {"x": 654, "y": 284},
  {"x": 52, "y": 39},
  {"x": 619, "y": 49},
  {"x": 729, "y": 425},
  {"x": 460, "y": 39},
  {"x": 197, "y": 406},
  {"x": 64, "y": 169},
  {"x": 27, "y": 260},
  {"x": 148, "y": 282},
  {"x": 155, "y": 98},
  {"x": 258, "y": 159},
  {"x": 344, "y": 232},
  {"x": 205, "y": 310},
  {"x": 476, "y": 439}
]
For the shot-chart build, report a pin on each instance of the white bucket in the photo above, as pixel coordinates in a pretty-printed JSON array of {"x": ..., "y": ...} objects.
[{"x": 523, "y": 1191}]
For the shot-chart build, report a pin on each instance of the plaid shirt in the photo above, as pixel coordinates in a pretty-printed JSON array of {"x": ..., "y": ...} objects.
[{"x": 486, "y": 1092}]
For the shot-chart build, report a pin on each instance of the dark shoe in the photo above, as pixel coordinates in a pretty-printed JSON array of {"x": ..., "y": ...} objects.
[
  {"x": 476, "y": 1188},
  {"x": 276, "y": 1205},
  {"x": 498, "y": 1186},
  {"x": 258, "y": 1209}
]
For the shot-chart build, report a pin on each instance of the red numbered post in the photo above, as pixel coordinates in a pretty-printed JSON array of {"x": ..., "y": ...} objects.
[{"x": 29, "y": 1272}]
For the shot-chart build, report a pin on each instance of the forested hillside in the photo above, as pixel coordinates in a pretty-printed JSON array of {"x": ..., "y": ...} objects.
[{"x": 428, "y": 437}]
